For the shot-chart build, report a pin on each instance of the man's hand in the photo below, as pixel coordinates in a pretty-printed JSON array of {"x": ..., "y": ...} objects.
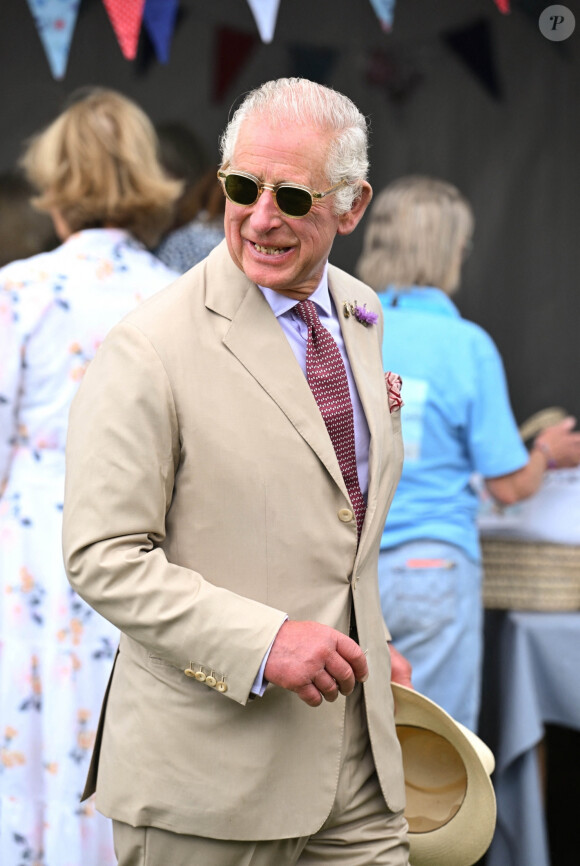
[
  {"x": 400, "y": 668},
  {"x": 315, "y": 661}
]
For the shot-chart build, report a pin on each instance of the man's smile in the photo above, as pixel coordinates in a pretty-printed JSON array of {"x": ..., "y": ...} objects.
[{"x": 271, "y": 251}]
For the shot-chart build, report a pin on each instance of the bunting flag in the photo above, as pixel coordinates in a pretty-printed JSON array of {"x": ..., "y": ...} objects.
[
  {"x": 385, "y": 11},
  {"x": 126, "y": 17},
  {"x": 265, "y": 13},
  {"x": 233, "y": 50},
  {"x": 473, "y": 45},
  {"x": 394, "y": 71},
  {"x": 159, "y": 17},
  {"x": 55, "y": 21},
  {"x": 313, "y": 62}
]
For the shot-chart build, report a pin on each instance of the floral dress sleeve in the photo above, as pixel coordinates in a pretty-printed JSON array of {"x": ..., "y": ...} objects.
[{"x": 10, "y": 371}]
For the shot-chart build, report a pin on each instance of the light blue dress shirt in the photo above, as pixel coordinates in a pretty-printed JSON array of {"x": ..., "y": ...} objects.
[{"x": 296, "y": 332}]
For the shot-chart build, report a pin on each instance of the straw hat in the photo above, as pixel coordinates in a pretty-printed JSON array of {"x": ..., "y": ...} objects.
[
  {"x": 451, "y": 806},
  {"x": 540, "y": 420}
]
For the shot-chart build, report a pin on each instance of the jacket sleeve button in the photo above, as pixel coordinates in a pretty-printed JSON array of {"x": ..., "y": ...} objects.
[
  {"x": 221, "y": 686},
  {"x": 189, "y": 673},
  {"x": 200, "y": 676},
  {"x": 211, "y": 681}
]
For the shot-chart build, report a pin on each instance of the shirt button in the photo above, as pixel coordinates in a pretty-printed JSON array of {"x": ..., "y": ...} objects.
[{"x": 346, "y": 515}]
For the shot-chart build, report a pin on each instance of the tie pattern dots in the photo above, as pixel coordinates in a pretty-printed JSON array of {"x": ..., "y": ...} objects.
[{"x": 328, "y": 382}]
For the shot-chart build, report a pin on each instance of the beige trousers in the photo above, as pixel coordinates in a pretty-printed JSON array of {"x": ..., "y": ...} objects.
[{"x": 360, "y": 831}]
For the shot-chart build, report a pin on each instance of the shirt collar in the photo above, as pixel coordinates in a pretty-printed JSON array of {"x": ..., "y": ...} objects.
[
  {"x": 426, "y": 299},
  {"x": 280, "y": 304}
]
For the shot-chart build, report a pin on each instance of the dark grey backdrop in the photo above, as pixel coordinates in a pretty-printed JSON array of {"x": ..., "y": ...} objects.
[{"x": 457, "y": 90}]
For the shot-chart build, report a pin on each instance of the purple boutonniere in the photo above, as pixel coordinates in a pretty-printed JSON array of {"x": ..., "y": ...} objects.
[{"x": 361, "y": 314}]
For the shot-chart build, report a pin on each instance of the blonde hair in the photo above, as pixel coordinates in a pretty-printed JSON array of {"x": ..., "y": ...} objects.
[
  {"x": 97, "y": 165},
  {"x": 300, "y": 101},
  {"x": 418, "y": 229}
]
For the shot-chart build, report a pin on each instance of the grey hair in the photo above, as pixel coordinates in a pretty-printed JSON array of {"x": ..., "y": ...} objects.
[
  {"x": 300, "y": 101},
  {"x": 417, "y": 231}
]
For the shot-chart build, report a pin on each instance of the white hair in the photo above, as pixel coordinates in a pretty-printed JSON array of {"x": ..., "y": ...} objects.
[
  {"x": 303, "y": 102},
  {"x": 417, "y": 231}
]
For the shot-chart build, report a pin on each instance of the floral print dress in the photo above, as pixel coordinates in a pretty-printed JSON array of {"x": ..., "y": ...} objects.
[{"x": 56, "y": 653}]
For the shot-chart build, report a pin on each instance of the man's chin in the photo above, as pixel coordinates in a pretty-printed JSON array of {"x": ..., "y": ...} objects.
[{"x": 275, "y": 276}]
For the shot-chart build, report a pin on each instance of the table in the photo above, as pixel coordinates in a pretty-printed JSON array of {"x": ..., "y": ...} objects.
[{"x": 531, "y": 677}]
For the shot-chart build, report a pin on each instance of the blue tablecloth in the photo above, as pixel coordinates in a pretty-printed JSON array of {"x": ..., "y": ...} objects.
[{"x": 531, "y": 677}]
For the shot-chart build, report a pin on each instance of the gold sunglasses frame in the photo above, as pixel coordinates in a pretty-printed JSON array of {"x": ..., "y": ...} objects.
[{"x": 314, "y": 194}]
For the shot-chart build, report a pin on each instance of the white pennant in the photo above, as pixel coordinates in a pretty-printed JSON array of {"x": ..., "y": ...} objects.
[{"x": 265, "y": 13}]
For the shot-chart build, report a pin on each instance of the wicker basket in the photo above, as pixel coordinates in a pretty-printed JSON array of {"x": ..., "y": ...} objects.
[{"x": 520, "y": 575}]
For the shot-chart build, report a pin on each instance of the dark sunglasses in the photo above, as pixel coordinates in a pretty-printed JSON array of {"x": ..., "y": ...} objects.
[{"x": 291, "y": 199}]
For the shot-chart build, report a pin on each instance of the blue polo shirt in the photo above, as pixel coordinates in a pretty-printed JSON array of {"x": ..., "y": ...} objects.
[{"x": 456, "y": 419}]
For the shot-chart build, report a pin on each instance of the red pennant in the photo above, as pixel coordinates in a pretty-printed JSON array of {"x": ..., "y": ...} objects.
[
  {"x": 394, "y": 70},
  {"x": 503, "y": 6},
  {"x": 233, "y": 50},
  {"x": 126, "y": 17}
]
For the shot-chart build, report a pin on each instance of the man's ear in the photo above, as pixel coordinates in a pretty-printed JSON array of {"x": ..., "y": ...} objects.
[{"x": 347, "y": 222}]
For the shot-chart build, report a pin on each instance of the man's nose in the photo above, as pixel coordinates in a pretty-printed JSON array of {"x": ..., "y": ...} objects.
[{"x": 265, "y": 215}]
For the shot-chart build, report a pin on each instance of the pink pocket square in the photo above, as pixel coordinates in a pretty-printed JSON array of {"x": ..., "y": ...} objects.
[{"x": 394, "y": 382}]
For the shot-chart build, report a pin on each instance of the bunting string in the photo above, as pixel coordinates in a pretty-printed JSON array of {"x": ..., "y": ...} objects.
[{"x": 55, "y": 22}]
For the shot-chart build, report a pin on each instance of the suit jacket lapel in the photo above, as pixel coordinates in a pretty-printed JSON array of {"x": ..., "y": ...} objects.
[{"x": 258, "y": 342}]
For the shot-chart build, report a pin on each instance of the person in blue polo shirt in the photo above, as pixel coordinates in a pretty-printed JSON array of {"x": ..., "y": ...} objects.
[{"x": 456, "y": 421}]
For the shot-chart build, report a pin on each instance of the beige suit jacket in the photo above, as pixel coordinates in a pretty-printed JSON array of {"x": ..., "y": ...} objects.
[{"x": 204, "y": 502}]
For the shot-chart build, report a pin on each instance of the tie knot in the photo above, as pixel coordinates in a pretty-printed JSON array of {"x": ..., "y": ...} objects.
[{"x": 307, "y": 312}]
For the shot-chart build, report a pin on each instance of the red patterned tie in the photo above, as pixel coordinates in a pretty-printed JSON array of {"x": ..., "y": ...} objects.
[{"x": 327, "y": 378}]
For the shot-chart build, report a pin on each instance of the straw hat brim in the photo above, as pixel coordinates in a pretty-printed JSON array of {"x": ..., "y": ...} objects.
[
  {"x": 538, "y": 422},
  {"x": 467, "y": 835}
]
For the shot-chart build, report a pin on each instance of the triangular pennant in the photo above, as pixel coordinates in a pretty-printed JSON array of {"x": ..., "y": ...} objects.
[
  {"x": 265, "y": 13},
  {"x": 233, "y": 50},
  {"x": 503, "y": 6},
  {"x": 55, "y": 21},
  {"x": 311, "y": 62},
  {"x": 394, "y": 71},
  {"x": 385, "y": 10},
  {"x": 126, "y": 17},
  {"x": 473, "y": 45},
  {"x": 159, "y": 18}
]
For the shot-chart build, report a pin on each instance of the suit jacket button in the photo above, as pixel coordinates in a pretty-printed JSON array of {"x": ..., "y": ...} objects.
[
  {"x": 189, "y": 673},
  {"x": 211, "y": 681},
  {"x": 345, "y": 514},
  {"x": 221, "y": 686},
  {"x": 200, "y": 676}
]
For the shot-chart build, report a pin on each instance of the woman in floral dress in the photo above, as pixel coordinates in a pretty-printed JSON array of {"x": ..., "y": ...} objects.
[{"x": 97, "y": 174}]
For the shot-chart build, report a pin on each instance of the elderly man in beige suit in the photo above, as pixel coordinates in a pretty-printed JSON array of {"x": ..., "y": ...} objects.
[{"x": 211, "y": 514}]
